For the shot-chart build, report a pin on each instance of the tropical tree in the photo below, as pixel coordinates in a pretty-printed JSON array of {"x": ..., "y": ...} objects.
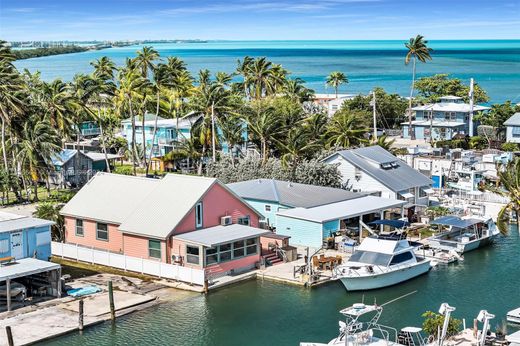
[
  {"x": 232, "y": 128},
  {"x": 346, "y": 129},
  {"x": 417, "y": 50},
  {"x": 130, "y": 83},
  {"x": 384, "y": 142},
  {"x": 145, "y": 60},
  {"x": 296, "y": 147},
  {"x": 38, "y": 143},
  {"x": 335, "y": 79},
  {"x": 509, "y": 186}
]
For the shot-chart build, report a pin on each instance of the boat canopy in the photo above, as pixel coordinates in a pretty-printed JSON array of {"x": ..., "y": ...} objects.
[
  {"x": 391, "y": 223},
  {"x": 455, "y": 221}
]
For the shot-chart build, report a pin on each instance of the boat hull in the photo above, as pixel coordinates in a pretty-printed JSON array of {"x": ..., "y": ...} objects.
[
  {"x": 390, "y": 278},
  {"x": 462, "y": 247}
]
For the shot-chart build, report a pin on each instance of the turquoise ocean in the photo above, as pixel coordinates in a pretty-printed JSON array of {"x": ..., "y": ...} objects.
[{"x": 494, "y": 64}]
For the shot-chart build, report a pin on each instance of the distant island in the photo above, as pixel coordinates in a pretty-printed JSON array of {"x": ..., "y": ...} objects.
[{"x": 36, "y": 49}]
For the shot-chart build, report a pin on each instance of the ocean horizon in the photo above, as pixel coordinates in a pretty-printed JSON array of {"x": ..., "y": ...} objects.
[{"x": 494, "y": 64}]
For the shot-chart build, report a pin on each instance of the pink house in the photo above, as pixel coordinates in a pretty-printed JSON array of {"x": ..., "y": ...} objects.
[{"x": 186, "y": 220}]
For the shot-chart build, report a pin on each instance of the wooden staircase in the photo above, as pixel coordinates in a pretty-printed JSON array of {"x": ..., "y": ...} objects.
[{"x": 272, "y": 259}]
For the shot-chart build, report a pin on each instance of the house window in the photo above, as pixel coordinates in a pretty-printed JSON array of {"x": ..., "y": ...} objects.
[
  {"x": 192, "y": 254},
  {"x": 211, "y": 255},
  {"x": 224, "y": 252},
  {"x": 198, "y": 215},
  {"x": 154, "y": 248},
  {"x": 251, "y": 246},
  {"x": 102, "y": 231},
  {"x": 4, "y": 246},
  {"x": 516, "y": 131},
  {"x": 79, "y": 228},
  {"x": 244, "y": 220},
  {"x": 238, "y": 249},
  {"x": 267, "y": 208}
]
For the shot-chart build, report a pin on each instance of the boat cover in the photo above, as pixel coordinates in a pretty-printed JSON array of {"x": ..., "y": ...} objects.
[
  {"x": 83, "y": 291},
  {"x": 455, "y": 221},
  {"x": 391, "y": 223}
]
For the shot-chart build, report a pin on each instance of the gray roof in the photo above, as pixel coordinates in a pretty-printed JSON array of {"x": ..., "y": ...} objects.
[
  {"x": 25, "y": 267},
  {"x": 95, "y": 156},
  {"x": 212, "y": 236},
  {"x": 143, "y": 206},
  {"x": 342, "y": 210},
  {"x": 399, "y": 177},
  {"x": 291, "y": 194},
  {"x": 13, "y": 222},
  {"x": 514, "y": 120}
]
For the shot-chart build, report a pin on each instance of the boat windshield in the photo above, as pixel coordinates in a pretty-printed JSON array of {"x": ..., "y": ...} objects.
[{"x": 369, "y": 257}]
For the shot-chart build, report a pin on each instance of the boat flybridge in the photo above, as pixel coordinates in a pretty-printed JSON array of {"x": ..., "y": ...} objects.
[
  {"x": 381, "y": 261},
  {"x": 462, "y": 234}
]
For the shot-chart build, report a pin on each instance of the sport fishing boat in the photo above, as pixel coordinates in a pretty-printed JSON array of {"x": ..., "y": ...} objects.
[
  {"x": 380, "y": 262},
  {"x": 462, "y": 234},
  {"x": 361, "y": 327}
]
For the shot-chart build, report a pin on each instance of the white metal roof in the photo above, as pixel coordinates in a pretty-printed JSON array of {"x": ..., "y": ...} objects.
[
  {"x": 24, "y": 267},
  {"x": 342, "y": 210},
  {"x": 435, "y": 123},
  {"x": 212, "y": 236},
  {"x": 12, "y": 222},
  {"x": 514, "y": 120},
  {"x": 450, "y": 107},
  {"x": 166, "y": 205},
  {"x": 95, "y": 156},
  {"x": 109, "y": 197}
]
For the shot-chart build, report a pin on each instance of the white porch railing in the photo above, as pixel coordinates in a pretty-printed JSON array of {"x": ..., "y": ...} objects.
[{"x": 134, "y": 264}]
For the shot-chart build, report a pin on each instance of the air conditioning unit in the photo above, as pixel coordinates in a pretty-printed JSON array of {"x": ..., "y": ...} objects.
[
  {"x": 176, "y": 258},
  {"x": 226, "y": 220},
  {"x": 263, "y": 224}
]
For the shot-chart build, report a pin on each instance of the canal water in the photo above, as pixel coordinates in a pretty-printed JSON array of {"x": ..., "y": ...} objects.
[{"x": 266, "y": 313}]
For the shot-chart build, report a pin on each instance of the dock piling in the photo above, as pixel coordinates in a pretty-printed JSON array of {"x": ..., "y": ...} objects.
[
  {"x": 80, "y": 322},
  {"x": 111, "y": 301},
  {"x": 10, "y": 341}
]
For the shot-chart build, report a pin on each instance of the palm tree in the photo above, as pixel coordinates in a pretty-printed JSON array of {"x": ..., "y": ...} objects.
[
  {"x": 145, "y": 60},
  {"x": 38, "y": 143},
  {"x": 11, "y": 99},
  {"x": 295, "y": 147},
  {"x": 232, "y": 128},
  {"x": 346, "y": 129},
  {"x": 130, "y": 83},
  {"x": 295, "y": 90},
  {"x": 211, "y": 100},
  {"x": 509, "y": 180},
  {"x": 265, "y": 125},
  {"x": 417, "y": 50},
  {"x": 335, "y": 79},
  {"x": 244, "y": 69},
  {"x": 260, "y": 74},
  {"x": 60, "y": 106},
  {"x": 104, "y": 68},
  {"x": 384, "y": 143}
]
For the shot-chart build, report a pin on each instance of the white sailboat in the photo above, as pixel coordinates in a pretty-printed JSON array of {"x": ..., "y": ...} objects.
[
  {"x": 380, "y": 262},
  {"x": 463, "y": 234}
]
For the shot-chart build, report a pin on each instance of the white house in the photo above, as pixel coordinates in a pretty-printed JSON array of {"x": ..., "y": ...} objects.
[
  {"x": 373, "y": 168},
  {"x": 513, "y": 128},
  {"x": 331, "y": 102}
]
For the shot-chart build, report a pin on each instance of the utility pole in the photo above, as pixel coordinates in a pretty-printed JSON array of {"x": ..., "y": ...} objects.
[
  {"x": 374, "y": 114},
  {"x": 471, "y": 107}
]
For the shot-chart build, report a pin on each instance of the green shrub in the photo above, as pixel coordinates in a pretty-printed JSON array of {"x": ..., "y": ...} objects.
[
  {"x": 433, "y": 323},
  {"x": 124, "y": 170},
  {"x": 478, "y": 143},
  {"x": 509, "y": 147}
]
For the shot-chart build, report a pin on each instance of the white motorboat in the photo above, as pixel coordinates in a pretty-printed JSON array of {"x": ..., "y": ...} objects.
[
  {"x": 513, "y": 316},
  {"x": 18, "y": 291},
  {"x": 362, "y": 328},
  {"x": 463, "y": 234},
  {"x": 380, "y": 262}
]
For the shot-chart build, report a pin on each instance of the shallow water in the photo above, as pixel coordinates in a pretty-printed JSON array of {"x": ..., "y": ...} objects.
[
  {"x": 494, "y": 64},
  {"x": 265, "y": 313}
]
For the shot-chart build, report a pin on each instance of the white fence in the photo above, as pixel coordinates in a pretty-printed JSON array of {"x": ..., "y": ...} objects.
[{"x": 135, "y": 264}]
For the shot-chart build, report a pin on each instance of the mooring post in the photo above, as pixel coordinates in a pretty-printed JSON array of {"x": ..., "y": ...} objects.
[
  {"x": 80, "y": 322},
  {"x": 10, "y": 341},
  {"x": 206, "y": 284},
  {"x": 111, "y": 300}
]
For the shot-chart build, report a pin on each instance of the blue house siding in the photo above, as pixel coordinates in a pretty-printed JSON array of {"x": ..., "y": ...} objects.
[
  {"x": 302, "y": 232},
  {"x": 30, "y": 238},
  {"x": 269, "y": 216}
]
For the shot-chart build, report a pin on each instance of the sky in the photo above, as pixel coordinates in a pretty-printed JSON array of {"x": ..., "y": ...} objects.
[{"x": 258, "y": 20}]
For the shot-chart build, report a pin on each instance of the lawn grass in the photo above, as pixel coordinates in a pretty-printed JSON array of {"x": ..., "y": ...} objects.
[{"x": 82, "y": 269}]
